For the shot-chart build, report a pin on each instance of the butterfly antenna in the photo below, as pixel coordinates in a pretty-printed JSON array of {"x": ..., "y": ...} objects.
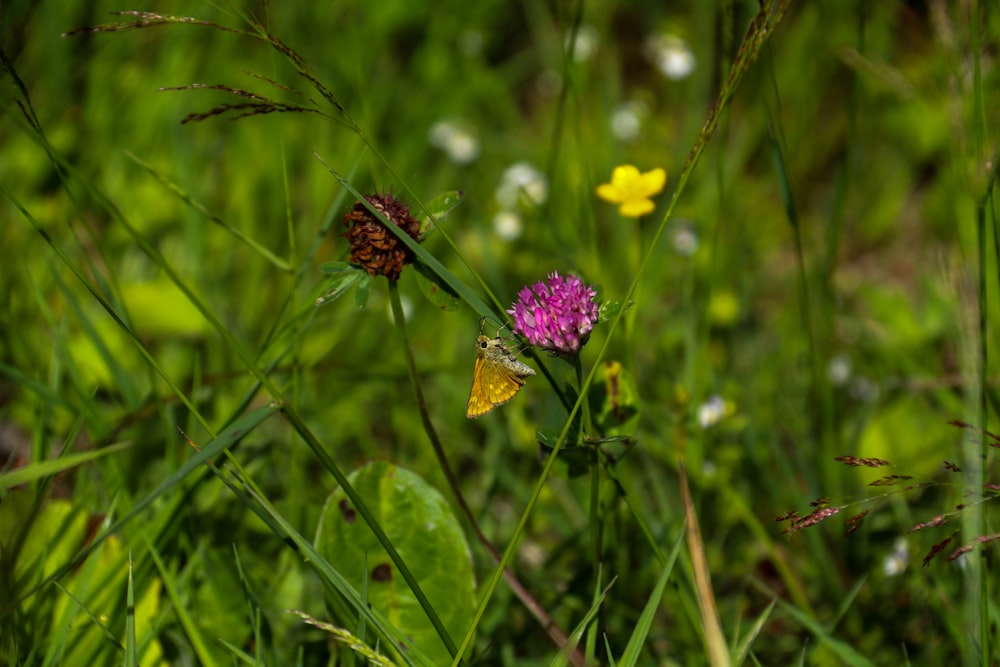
[{"x": 483, "y": 319}]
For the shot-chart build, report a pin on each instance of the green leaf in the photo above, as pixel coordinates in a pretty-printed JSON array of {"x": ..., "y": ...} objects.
[
  {"x": 574, "y": 637},
  {"x": 547, "y": 437},
  {"x": 130, "y": 646},
  {"x": 631, "y": 656},
  {"x": 362, "y": 292},
  {"x": 436, "y": 290},
  {"x": 335, "y": 581},
  {"x": 421, "y": 525},
  {"x": 186, "y": 617},
  {"x": 743, "y": 650},
  {"x": 614, "y": 447},
  {"x": 614, "y": 400},
  {"x": 232, "y": 434},
  {"x": 34, "y": 471},
  {"x": 48, "y": 539},
  {"x": 439, "y": 207},
  {"x": 338, "y": 267},
  {"x": 342, "y": 280},
  {"x": 575, "y": 460},
  {"x": 610, "y": 309},
  {"x": 53, "y": 536}
]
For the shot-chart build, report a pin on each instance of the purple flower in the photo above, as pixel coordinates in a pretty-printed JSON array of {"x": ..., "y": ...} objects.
[{"x": 556, "y": 315}]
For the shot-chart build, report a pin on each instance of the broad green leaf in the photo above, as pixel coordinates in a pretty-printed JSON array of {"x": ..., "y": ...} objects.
[
  {"x": 423, "y": 528},
  {"x": 439, "y": 207},
  {"x": 333, "y": 580},
  {"x": 436, "y": 290},
  {"x": 340, "y": 282},
  {"x": 610, "y": 309}
]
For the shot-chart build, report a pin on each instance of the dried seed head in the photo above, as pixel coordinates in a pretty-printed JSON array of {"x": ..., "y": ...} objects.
[{"x": 375, "y": 248}]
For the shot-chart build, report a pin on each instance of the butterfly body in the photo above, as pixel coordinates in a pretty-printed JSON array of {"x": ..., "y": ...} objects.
[{"x": 497, "y": 378}]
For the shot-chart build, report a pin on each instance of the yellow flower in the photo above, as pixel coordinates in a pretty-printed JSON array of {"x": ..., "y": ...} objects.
[{"x": 632, "y": 190}]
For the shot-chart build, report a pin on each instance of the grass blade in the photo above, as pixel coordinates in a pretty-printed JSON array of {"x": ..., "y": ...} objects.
[
  {"x": 43, "y": 469},
  {"x": 633, "y": 649},
  {"x": 743, "y": 648},
  {"x": 715, "y": 642},
  {"x": 130, "y": 651},
  {"x": 176, "y": 190}
]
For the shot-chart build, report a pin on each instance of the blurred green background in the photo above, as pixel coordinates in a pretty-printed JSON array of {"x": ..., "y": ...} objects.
[{"x": 815, "y": 294}]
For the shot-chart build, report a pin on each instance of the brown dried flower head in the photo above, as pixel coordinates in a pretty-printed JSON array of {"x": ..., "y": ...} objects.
[{"x": 375, "y": 248}]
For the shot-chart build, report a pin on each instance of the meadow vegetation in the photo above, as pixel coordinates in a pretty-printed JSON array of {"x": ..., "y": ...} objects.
[{"x": 248, "y": 249}]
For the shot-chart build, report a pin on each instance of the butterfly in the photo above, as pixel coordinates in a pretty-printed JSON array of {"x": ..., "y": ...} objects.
[{"x": 497, "y": 378}]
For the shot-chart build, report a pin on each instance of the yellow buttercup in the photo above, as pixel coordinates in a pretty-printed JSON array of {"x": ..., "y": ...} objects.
[{"x": 497, "y": 378}]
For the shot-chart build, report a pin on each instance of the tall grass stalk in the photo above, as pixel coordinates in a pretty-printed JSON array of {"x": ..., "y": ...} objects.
[{"x": 759, "y": 30}]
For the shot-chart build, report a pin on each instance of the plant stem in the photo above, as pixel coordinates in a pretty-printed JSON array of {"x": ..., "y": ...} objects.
[{"x": 555, "y": 632}]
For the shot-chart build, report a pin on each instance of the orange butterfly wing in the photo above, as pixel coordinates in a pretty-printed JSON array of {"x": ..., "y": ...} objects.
[
  {"x": 478, "y": 404},
  {"x": 492, "y": 385}
]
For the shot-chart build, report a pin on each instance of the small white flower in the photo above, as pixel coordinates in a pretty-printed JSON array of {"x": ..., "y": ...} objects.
[
  {"x": 507, "y": 225},
  {"x": 460, "y": 145},
  {"x": 896, "y": 562},
  {"x": 671, "y": 55},
  {"x": 585, "y": 45},
  {"x": 626, "y": 121},
  {"x": 439, "y": 133},
  {"x": 463, "y": 148},
  {"x": 711, "y": 411},
  {"x": 863, "y": 389},
  {"x": 521, "y": 179},
  {"x": 685, "y": 240},
  {"x": 838, "y": 371}
]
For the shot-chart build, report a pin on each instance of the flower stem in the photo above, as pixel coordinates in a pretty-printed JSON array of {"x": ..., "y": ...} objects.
[
  {"x": 588, "y": 426},
  {"x": 596, "y": 517},
  {"x": 767, "y": 19},
  {"x": 555, "y": 633}
]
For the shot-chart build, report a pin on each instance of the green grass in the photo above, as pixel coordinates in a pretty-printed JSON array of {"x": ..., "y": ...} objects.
[{"x": 202, "y": 466}]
